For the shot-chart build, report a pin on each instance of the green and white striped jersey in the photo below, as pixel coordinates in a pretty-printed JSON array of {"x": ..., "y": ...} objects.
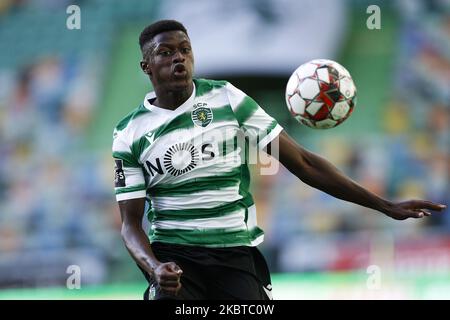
[{"x": 190, "y": 165}]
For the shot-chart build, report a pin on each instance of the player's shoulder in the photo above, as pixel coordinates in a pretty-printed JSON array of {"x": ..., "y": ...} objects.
[
  {"x": 204, "y": 86},
  {"x": 127, "y": 121}
]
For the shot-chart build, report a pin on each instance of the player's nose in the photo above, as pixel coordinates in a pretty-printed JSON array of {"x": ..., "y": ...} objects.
[{"x": 178, "y": 57}]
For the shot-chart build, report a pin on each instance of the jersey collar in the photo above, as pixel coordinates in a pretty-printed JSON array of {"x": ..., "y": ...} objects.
[{"x": 186, "y": 105}]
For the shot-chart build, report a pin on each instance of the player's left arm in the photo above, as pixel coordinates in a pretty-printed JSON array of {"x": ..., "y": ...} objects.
[{"x": 319, "y": 173}]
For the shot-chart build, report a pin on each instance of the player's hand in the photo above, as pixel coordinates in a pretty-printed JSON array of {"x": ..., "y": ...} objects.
[
  {"x": 413, "y": 209},
  {"x": 168, "y": 277}
]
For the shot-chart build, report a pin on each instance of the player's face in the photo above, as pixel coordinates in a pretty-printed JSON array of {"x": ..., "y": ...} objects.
[{"x": 171, "y": 62}]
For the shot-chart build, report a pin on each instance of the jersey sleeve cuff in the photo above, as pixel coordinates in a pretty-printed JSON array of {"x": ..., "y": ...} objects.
[
  {"x": 270, "y": 136},
  {"x": 131, "y": 195}
]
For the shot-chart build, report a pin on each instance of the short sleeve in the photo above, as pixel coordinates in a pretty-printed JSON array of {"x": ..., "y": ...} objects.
[
  {"x": 129, "y": 181},
  {"x": 254, "y": 121}
]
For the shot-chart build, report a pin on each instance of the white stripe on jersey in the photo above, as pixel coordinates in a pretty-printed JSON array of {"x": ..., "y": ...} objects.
[
  {"x": 233, "y": 221},
  {"x": 198, "y": 200},
  {"x": 130, "y": 195}
]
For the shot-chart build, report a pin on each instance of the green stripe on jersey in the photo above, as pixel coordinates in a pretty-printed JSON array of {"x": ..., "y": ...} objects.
[
  {"x": 256, "y": 232},
  {"x": 245, "y": 181},
  {"x": 132, "y": 115},
  {"x": 272, "y": 126},
  {"x": 181, "y": 121},
  {"x": 139, "y": 187},
  {"x": 128, "y": 159},
  {"x": 189, "y": 214},
  {"x": 227, "y": 179},
  {"x": 203, "y": 86},
  {"x": 184, "y": 120},
  {"x": 245, "y": 109},
  {"x": 139, "y": 146},
  {"x": 208, "y": 237}
]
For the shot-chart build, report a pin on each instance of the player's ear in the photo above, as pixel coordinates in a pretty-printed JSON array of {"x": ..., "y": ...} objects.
[{"x": 146, "y": 67}]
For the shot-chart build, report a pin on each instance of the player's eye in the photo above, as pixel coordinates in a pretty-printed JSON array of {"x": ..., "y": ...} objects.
[
  {"x": 165, "y": 53},
  {"x": 186, "y": 50}
]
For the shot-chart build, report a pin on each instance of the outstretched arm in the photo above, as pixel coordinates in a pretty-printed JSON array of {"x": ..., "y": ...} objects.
[
  {"x": 321, "y": 174},
  {"x": 138, "y": 245}
]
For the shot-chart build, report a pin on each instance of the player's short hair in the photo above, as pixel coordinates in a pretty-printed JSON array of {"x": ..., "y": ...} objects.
[{"x": 158, "y": 27}]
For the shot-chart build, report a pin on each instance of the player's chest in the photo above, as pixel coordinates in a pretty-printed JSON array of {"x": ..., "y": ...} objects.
[{"x": 188, "y": 142}]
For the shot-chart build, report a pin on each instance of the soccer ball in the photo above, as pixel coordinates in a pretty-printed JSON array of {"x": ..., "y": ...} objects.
[{"x": 321, "y": 94}]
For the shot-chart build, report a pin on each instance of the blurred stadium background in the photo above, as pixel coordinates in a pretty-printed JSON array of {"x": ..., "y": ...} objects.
[{"x": 62, "y": 91}]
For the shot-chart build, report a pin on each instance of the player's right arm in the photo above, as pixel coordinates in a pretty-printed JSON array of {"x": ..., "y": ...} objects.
[
  {"x": 138, "y": 245},
  {"x": 130, "y": 194}
]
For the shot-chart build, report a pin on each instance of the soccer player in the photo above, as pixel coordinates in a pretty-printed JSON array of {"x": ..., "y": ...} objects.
[{"x": 179, "y": 152}]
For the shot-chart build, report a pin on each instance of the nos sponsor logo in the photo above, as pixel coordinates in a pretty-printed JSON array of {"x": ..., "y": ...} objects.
[{"x": 180, "y": 159}]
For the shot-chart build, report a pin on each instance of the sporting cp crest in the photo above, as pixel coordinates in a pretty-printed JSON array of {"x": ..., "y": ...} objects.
[{"x": 202, "y": 115}]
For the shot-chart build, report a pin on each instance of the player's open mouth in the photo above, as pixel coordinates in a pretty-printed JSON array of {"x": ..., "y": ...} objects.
[{"x": 179, "y": 70}]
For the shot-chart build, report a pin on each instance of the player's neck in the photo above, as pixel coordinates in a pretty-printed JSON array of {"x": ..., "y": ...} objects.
[{"x": 168, "y": 99}]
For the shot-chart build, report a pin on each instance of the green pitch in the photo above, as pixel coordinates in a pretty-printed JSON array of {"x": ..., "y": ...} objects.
[{"x": 285, "y": 286}]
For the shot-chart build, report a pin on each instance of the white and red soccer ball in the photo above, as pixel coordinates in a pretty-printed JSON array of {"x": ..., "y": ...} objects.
[{"x": 321, "y": 94}]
